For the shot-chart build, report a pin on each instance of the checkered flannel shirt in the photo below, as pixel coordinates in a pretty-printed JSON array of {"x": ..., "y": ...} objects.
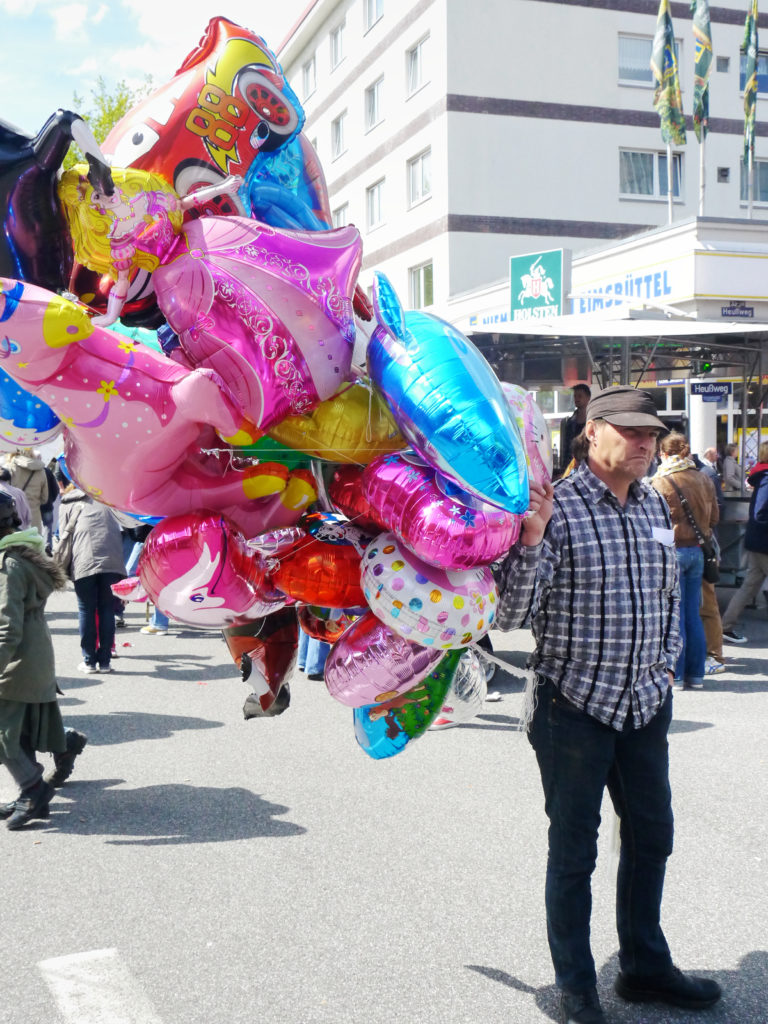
[{"x": 603, "y": 597}]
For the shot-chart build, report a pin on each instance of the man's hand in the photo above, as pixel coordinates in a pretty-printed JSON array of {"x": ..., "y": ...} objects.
[{"x": 538, "y": 515}]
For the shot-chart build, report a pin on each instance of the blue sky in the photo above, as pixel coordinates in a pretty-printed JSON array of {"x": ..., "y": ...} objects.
[{"x": 52, "y": 49}]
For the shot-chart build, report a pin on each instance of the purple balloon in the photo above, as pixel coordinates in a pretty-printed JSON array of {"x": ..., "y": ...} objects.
[{"x": 370, "y": 664}]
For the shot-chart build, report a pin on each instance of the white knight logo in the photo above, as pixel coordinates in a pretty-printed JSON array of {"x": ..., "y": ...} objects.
[{"x": 536, "y": 285}]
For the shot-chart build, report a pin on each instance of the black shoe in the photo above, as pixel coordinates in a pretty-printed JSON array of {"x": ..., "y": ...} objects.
[
  {"x": 64, "y": 763},
  {"x": 6, "y": 810},
  {"x": 316, "y": 675},
  {"x": 33, "y": 803},
  {"x": 673, "y": 988},
  {"x": 582, "y": 1008}
]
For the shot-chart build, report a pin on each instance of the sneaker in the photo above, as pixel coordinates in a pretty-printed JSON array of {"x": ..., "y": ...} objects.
[
  {"x": 694, "y": 684},
  {"x": 153, "y": 629},
  {"x": 33, "y": 803},
  {"x": 106, "y": 668},
  {"x": 673, "y": 988},
  {"x": 733, "y": 637},
  {"x": 678, "y": 684},
  {"x": 583, "y": 1008},
  {"x": 64, "y": 763},
  {"x": 120, "y": 623},
  {"x": 87, "y": 669},
  {"x": 712, "y": 666}
]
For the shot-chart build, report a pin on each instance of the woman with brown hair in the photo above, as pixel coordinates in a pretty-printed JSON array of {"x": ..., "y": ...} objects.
[{"x": 675, "y": 479}]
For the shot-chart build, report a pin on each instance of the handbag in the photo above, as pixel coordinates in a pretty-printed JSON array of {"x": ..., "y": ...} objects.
[
  {"x": 711, "y": 559},
  {"x": 62, "y": 555}
]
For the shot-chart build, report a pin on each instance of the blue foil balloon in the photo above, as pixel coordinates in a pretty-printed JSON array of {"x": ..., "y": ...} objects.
[
  {"x": 25, "y": 421},
  {"x": 447, "y": 401}
]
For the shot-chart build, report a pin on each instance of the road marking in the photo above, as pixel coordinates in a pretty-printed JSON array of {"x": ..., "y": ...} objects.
[{"x": 97, "y": 988}]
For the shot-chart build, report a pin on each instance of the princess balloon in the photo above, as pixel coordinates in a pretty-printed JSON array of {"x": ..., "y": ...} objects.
[{"x": 269, "y": 311}]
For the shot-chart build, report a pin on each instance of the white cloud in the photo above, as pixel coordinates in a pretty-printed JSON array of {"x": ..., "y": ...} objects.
[{"x": 70, "y": 21}]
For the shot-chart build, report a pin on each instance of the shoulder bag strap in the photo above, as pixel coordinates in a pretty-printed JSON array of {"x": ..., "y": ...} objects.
[
  {"x": 30, "y": 474},
  {"x": 689, "y": 513}
]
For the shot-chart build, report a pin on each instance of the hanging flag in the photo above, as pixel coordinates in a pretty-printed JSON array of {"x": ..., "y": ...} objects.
[
  {"x": 667, "y": 99},
  {"x": 750, "y": 83},
  {"x": 701, "y": 68}
]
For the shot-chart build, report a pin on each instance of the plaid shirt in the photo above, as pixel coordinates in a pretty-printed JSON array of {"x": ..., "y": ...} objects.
[{"x": 602, "y": 590}]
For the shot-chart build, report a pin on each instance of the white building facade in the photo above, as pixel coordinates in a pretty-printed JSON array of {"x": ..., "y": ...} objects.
[{"x": 455, "y": 134}]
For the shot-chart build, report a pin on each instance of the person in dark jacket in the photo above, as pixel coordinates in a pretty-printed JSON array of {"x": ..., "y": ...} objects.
[
  {"x": 30, "y": 719},
  {"x": 573, "y": 426},
  {"x": 756, "y": 545}
]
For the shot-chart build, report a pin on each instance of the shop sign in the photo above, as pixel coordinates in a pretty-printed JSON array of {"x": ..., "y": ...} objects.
[
  {"x": 538, "y": 284},
  {"x": 711, "y": 390},
  {"x": 740, "y": 310}
]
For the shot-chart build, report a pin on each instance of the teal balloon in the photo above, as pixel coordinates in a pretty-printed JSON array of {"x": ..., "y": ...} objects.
[
  {"x": 447, "y": 401},
  {"x": 141, "y": 334}
]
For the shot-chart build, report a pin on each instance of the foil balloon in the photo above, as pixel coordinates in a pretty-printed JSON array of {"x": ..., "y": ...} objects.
[
  {"x": 447, "y": 402},
  {"x": 286, "y": 187},
  {"x": 265, "y": 652},
  {"x": 466, "y": 694},
  {"x": 129, "y": 589},
  {"x": 352, "y": 427},
  {"x": 25, "y": 421},
  {"x": 345, "y": 490},
  {"x": 326, "y": 624},
  {"x": 533, "y": 429},
  {"x": 321, "y": 572},
  {"x": 198, "y": 569},
  {"x": 423, "y": 603},
  {"x": 434, "y": 518},
  {"x": 269, "y": 311},
  {"x": 137, "y": 425},
  {"x": 371, "y": 664},
  {"x": 385, "y": 729}
]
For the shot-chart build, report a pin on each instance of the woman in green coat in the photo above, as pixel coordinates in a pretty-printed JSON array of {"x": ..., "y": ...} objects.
[{"x": 30, "y": 719}]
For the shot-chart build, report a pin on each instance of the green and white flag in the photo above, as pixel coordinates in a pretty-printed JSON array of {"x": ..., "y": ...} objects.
[
  {"x": 702, "y": 67},
  {"x": 667, "y": 99},
  {"x": 750, "y": 83}
]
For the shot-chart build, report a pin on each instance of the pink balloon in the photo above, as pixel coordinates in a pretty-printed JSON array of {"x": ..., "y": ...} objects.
[
  {"x": 129, "y": 589},
  {"x": 370, "y": 664},
  {"x": 136, "y": 424},
  {"x": 197, "y": 569},
  {"x": 534, "y": 431},
  {"x": 434, "y": 518},
  {"x": 270, "y": 311}
]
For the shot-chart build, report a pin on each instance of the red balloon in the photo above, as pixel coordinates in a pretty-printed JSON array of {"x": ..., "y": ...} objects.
[
  {"x": 346, "y": 492},
  {"x": 325, "y": 628},
  {"x": 265, "y": 651},
  {"x": 315, "y": 572}
]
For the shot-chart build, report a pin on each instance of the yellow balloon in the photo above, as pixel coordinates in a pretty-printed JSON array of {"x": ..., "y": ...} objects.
[{"x": 354, "y": 426}]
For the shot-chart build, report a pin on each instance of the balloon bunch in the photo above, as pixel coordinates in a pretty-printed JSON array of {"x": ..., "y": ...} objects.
[{"x": 246, "y": 412}]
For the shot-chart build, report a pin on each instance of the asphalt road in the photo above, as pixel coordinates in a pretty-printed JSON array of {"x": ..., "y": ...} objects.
[{"x": 201, "y": 869}]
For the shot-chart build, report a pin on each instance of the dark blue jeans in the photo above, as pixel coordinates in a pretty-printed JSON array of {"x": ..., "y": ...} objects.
[
  {"x": 94, "y": 598},
  {"x": 578, "y": 757}
]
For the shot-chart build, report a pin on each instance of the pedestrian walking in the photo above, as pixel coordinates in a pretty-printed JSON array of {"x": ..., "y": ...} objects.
[
  {"x": 571, "y": 427},
  {"x": 595, "y": 568},
  {"x": 732, "y": 473}
]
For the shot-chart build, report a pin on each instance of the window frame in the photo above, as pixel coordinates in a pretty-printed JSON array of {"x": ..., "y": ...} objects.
[
  {"x": 657, "y": 195},
  {"x": 423, "y": 196},
  {"x": 374, "y": 89},
  {"x": 336, "y": 43},
  {"x": 418, "y": 47},
  {"x": 378, "y": 188},
  {"x": 334, "y": 216},
  {"x": 369, "y": 22},
  {"x": 633, "y": 83},
  {"x": 312, "y": 62},
  {"x": 760, "y": 78},
  {"x": 338, "y": 135},
  {"x": 416, "y": 274},
  {"x": 743, "y": 182}
]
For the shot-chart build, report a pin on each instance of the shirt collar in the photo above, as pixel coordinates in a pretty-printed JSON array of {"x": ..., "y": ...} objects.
[{"x": 597, "y": 490}]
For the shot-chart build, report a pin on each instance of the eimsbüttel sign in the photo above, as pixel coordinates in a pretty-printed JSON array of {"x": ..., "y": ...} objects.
[{"x": 539, "y": 283}]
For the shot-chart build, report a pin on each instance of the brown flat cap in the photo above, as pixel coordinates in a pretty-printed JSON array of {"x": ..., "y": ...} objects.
[{"x": 624, "y": 407}]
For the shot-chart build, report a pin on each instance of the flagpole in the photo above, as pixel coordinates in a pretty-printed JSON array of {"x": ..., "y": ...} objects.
[
  {"x": 701, "y": 176},
  {"x": 669, "y": 182},
  {"x": 750, "y": 182}
]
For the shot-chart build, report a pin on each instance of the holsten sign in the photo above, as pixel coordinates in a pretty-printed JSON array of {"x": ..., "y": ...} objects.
[{"x": 538, "y": 284}]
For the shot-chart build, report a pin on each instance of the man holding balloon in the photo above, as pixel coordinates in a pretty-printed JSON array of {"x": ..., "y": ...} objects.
[{"x": 595, "y": 568}]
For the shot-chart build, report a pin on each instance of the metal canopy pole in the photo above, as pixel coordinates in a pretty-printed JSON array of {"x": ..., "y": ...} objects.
[{"x": 626, "y": 364}]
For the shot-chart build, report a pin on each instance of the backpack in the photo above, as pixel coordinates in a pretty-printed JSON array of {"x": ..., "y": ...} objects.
[{"x": 53, "y": 491}]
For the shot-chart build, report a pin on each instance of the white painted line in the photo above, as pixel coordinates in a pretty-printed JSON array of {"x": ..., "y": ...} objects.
[{"x": 97, "y": 988}]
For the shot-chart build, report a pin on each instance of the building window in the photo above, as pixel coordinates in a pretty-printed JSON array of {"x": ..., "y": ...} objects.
[
  {"x": 645, "y": 174},
  {"x": 419, "y": 177},
  {"x": 635, "y": 60},
  {"x": 762, "y": 70},
  {"x": 337, "y": 135},
  {"x": 309, "y": 76},
  {"x": 341, "y": 216},
  {"x": 759, "y": 182},
  {"x": 723, "y": 65},
  {"x": 374, "y": 204},
  {"x": 374, "y": 10},
  {"x": 337, "y": 45},
  {"x": 420, "y": 286},
  {"x": 415, "y": 66},
  {"x": 373, "y": 104}
]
